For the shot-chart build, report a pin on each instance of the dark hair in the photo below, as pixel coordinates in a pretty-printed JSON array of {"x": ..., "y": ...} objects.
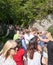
[
  {"x": 19, "y": 43},
  {"x": 34, "y": 42},
  {"x": 34, "y": 29},
  {"x": 31, "y": 51},
  {"x": 32, "y": 47}
]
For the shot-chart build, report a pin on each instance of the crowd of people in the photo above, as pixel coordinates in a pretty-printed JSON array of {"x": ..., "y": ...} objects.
[{"x": 28, "y": 47}]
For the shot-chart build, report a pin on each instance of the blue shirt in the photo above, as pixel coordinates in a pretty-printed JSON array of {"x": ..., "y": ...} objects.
[
  {"x": 24, "y": 44},
  {"x": 41, "y": 42}
]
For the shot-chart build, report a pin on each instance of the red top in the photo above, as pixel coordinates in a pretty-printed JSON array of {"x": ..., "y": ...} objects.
[{"x": 18, "y": 57}]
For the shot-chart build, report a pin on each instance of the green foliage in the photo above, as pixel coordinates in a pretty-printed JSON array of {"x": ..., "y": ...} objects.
[{"x": 23, "y": 11}]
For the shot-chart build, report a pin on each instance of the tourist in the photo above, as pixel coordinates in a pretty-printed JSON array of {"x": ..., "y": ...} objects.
[
  {"x": 6, "y": 54},
  {"x": 18, "y": 57},
  {"x": 33, "y": 55},
  {"x": 49, "y": 42}
]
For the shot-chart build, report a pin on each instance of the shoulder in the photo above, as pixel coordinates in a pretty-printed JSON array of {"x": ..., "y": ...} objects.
[
  {"x": 45, "y": 54},
  {"x": 37, "y": 54},
  {"x": 1, "y": 57},
  {"x": 15, "y": 34},
  {"x": 22, "y": 50},
  {"x": 10, "y": 62}
]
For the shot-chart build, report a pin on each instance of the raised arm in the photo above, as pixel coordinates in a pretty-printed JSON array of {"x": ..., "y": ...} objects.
[{"x": 44, "y": 40}]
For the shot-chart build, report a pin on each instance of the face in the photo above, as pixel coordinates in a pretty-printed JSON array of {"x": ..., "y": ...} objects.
[
  {"x": 13, "y": 50},
  {"x": 39, "y": 48}
]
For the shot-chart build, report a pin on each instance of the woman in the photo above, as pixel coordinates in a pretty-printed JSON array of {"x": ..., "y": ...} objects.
[
  {"x": 6, "y": 57},
  {"x": 33, "y": 55},
  {"x": 18, "y": 57},
  {"x": 45, "y": 56},
  {"x": 49, "y": 42}
]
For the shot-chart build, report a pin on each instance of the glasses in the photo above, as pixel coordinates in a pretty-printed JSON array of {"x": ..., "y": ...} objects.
[{"x": 14, "y": 48}]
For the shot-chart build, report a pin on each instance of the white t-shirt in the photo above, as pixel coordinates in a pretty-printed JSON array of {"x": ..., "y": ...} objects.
[
  {"x": 31, "y": 36},
  {"x": 28, "y": 37},
  {"x": 8, "y": 61},
  {"x": 45, "y": 55},
  {"x": 2, "y": 59},
  {"x": 36, "y": 59}
]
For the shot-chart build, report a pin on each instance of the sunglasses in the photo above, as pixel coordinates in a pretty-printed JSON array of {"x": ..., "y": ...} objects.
[{"x": 14, "y": 48}]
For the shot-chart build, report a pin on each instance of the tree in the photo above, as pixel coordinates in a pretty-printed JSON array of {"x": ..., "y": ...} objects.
[{"x": 22, "y": 12}]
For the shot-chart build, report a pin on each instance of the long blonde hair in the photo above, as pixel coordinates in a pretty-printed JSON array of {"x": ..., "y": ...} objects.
[
  {"x": 48, "y": 35},
  {"x": 9, "y": 44}
]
